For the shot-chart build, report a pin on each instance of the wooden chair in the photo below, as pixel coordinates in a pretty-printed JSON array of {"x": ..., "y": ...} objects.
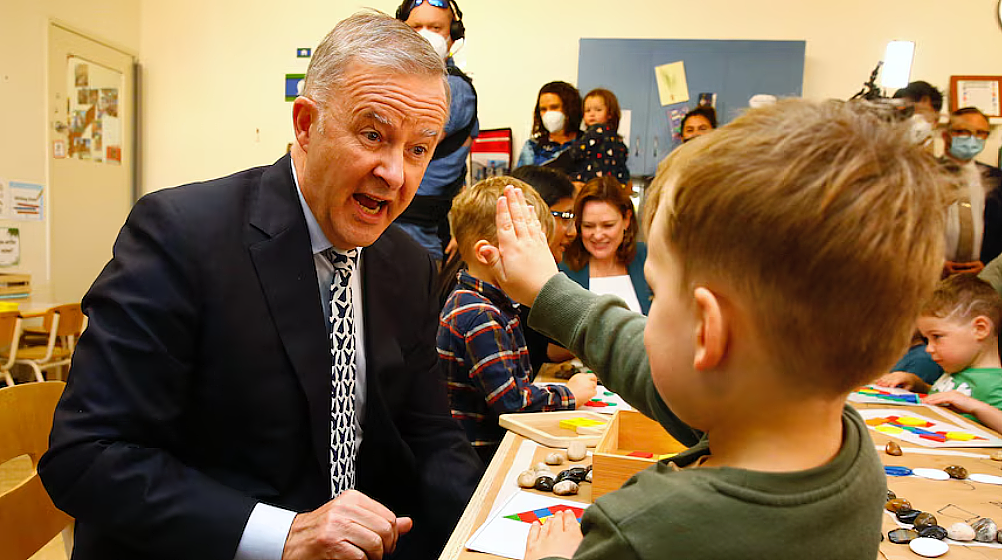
[
  {"x": 63, "y": 323},
  {"x": 27, "y": 516},
  {"x": 10, "y": 331}
]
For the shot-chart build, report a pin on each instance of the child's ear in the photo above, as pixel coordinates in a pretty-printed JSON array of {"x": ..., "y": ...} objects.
[
  {"x": 482, "y": 258},
  {"x": 711, "y": 337},
  {"x": 982, "y": 327}
]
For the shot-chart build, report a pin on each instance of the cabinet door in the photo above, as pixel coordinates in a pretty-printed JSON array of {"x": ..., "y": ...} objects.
[
  {"x": 622, "y": 66},
  {"x": 733, "y": 70}
]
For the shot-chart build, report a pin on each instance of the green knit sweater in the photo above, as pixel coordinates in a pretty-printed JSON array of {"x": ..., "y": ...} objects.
[{"x": 832, "y": 511}]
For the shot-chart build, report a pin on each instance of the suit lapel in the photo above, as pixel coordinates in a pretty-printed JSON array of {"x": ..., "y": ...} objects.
[
  {"x": 382, "y": 348},
  {"x": 284, "y": 264}
]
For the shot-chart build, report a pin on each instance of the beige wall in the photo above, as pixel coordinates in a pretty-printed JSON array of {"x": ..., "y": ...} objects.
[
  {"x": 214, "y": 69},
  {"x": 24, "y": 149}
]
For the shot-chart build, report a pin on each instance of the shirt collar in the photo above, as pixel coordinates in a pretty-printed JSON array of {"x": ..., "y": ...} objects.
[
  {"x": 318, "y": 241},
  {"x": 490, "y": 291}
]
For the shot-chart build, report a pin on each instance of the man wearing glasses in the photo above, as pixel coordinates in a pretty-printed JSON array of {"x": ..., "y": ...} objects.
[{"x": 974, "y": 223}]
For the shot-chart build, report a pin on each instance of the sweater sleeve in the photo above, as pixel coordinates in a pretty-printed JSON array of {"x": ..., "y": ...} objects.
[{"x": 610, "y": 340}]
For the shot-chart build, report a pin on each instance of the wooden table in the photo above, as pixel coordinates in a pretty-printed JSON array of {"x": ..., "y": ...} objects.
[{"x": 508, "y": 462}]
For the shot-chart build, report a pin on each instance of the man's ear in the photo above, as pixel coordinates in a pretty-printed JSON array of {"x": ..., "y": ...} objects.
[
  {"x": 305, "y": 114},
  {"x": 982, "y": 327},
  {"x": 712, "y": 333}
]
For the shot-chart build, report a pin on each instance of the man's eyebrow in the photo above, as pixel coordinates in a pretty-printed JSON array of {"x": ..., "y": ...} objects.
[
  {"x": 429, "y": 133},
  {"x": 377, "y": 117}
]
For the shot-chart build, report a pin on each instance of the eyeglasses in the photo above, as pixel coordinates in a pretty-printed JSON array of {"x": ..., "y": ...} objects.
[
  {"x": 957, "y": 133},
  {"x": 563, "y": 215},
  {"x": 437, "y": 3}
]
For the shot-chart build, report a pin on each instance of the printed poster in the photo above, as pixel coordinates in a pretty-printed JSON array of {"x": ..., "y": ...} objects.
[
  {"x": 10, "y": 246},
  {"x": 26, "y": 200}
]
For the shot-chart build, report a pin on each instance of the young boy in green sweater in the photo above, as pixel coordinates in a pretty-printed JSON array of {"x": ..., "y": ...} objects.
[
  {"x": 960, "y": 322},
  {"x": 789, "y": 254}
]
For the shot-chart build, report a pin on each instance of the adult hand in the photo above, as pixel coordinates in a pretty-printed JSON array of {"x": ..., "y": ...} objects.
[
  {"x": 559, "y": 537},
  {"x": 522, "y": 261},
  {"x": 352, "y": 526},
  {"x": 901, "y": 379},
  {"x": 583, "y": 386}
]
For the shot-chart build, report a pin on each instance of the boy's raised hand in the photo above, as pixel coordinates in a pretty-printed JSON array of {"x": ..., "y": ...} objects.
[
  {"x": 559, "y": 537},
  {"x": 522, "y": 261},
  {"x": 584, "y": 386}
]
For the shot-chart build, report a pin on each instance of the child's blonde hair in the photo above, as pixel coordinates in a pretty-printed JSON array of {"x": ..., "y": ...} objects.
[
  {"x": 963, "y": 297},
  {"x": 474, "y": 209},
  {"x": 824, "y": 220}
]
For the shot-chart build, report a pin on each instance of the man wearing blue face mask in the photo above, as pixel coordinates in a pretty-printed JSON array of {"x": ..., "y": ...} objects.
[
  {"x": 974, "y": 223},
  {"x": 427, "y": 217}
]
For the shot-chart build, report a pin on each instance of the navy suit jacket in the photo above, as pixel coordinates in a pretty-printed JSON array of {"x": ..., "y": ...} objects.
[{"x": 202, "y": 383}]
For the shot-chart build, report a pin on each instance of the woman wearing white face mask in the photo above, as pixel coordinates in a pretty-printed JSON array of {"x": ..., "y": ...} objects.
[{"x": 556, "y": 123}]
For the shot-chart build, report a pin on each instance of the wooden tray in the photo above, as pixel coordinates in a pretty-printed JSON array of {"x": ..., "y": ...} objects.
[
  {"x": 629, "y": 431},
  {"x": 544, "y": 427}
]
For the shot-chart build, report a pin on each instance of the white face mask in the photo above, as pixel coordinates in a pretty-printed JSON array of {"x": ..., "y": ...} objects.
[
  {"x": 437, "y": 42},
  {"x": 554, "y": 121},
  {"x": 921, "y": 130}
]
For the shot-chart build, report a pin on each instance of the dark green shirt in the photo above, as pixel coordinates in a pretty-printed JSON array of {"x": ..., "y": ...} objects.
[{"x": 832, "y": 511}]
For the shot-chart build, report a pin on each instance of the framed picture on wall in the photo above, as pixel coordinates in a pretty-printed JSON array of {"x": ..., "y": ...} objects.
[{"x": 982, "y": 92}]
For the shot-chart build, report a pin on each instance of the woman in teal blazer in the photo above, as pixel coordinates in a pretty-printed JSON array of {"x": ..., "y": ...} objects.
[{"x": 606, "y": 245}]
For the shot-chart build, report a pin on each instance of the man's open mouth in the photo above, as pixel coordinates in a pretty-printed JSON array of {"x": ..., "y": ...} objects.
[{"x": 369, "y": 205}]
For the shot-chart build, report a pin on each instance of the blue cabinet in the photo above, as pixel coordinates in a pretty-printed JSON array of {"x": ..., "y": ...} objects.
[{"x": 734, "y": 70}]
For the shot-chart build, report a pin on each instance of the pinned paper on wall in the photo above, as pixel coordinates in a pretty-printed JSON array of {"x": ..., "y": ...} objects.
[
  {"x": 672, "y": 86},
  {"x": 26, "y": 200},
  {"x": 10, "y": 246},
  {"x": 625, "y": 118},
  {"x": 505, "y": 533},
  {"x": 95, "y": 131}
]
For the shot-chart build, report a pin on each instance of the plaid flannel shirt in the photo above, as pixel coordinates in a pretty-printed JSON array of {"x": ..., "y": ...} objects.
[{"x": 483, "y": 354}]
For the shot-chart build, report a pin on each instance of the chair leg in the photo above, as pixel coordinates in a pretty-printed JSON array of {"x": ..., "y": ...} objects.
[
  {"x": 38, "y": 372},
  {"x": 7, "y": 377}
]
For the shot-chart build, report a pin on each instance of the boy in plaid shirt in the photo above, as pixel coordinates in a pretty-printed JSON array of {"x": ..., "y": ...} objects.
[{"x": 480, "y": 339}]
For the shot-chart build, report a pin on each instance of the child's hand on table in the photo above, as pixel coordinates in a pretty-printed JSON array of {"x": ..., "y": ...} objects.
[
  {"x": 559, "y": 537},
  {"x": 956, "y": 401},
  {"x": 584, "y": 387},
  {"x": 902, "y": 379}
]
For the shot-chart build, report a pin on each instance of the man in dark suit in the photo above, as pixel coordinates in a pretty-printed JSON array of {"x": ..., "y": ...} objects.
[
  {"x": 198, "y": 417},
  {"x": 974, "y": 224}
]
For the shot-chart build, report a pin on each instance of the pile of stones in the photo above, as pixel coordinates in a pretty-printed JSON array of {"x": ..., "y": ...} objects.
[
  {"x": 925, "y": 525},
  {"x": 564, "y": 484}
]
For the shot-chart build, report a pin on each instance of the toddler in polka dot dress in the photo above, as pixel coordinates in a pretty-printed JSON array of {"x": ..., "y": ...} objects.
[{"x": 600, "y": 151}]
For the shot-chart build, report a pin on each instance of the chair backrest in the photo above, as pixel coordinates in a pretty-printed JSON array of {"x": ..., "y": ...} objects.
[
  {"x": 8, "y": 328},
  {"x": 28, "y": 518},
  {"x": 70, "y": 319}
]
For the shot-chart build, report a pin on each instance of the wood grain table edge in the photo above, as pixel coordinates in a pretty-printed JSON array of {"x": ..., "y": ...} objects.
[{"x": 483, "y": 498}]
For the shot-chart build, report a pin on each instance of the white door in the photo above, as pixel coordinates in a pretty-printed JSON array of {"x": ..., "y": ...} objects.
[{"x": 91, "y": 124}]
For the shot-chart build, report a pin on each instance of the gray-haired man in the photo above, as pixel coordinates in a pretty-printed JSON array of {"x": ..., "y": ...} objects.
[{"x": 219, "y": 400}]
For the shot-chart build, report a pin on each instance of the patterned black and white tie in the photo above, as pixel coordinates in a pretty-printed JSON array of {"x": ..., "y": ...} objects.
[{"x": 343, "y": 373}]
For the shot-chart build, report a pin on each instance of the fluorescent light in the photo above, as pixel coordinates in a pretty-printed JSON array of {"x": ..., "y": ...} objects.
[{"x": 897, "y": 68}]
